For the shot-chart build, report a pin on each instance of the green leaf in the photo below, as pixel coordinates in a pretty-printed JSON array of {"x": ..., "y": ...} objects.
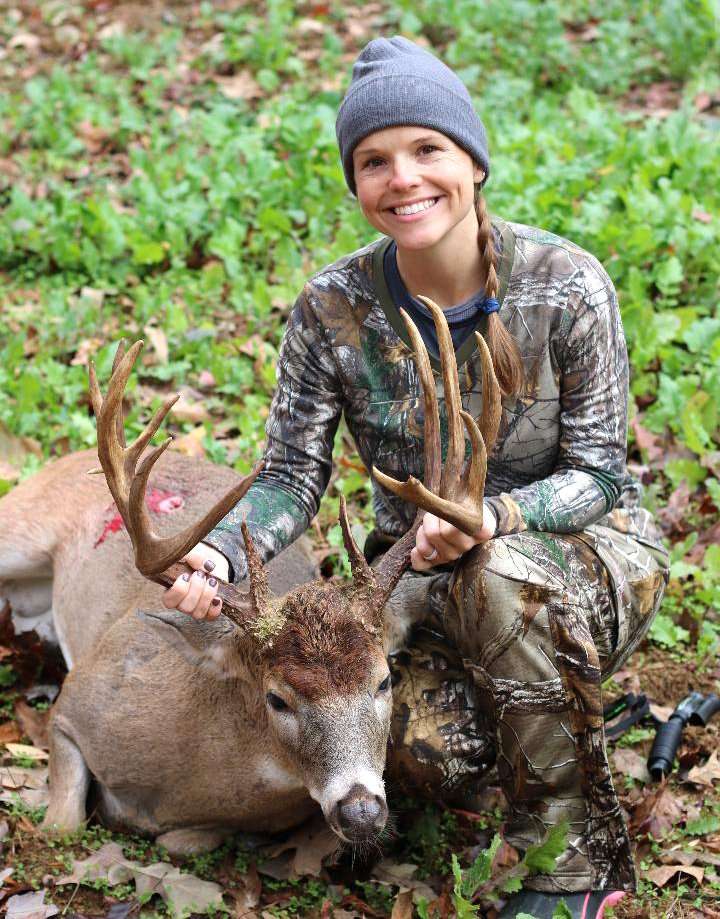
[
  {"x": 685, "y": 469},
  {"x": 479, "y": 872},
  {"x": 540, "y": 859},
  {"x": 664, "y": 631},
  {"x": 703, "y": 825},
  {"x": 669, "y": 274},
  {"x": 562, "y": 911}
]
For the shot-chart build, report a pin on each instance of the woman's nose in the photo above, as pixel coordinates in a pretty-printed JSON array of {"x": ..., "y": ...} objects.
[{"x": 404, "y": 175}]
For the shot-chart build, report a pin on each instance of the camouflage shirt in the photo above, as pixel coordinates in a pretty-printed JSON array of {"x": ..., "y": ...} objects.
[{"x": 559, "y": 461}]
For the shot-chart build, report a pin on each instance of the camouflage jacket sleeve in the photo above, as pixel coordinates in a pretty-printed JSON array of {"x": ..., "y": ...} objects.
[
  {"x": 590, "y": 467},
  {"x": 301, "y": 427}
]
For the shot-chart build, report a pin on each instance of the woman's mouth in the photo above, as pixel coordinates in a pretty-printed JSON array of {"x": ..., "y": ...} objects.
[{"x": 408, "y": 211}]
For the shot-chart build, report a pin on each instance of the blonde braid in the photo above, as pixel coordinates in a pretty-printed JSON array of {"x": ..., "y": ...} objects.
[{"x": 503, "y": 349}]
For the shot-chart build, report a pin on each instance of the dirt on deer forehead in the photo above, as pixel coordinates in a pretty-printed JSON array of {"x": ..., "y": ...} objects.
[{"x": 322, "y": 649}]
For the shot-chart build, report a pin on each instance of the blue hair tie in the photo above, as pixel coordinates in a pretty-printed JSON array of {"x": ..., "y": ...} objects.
[{"x": 490, "y": 305}]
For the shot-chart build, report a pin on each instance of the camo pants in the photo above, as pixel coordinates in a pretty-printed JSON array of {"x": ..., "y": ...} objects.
[{"x": 508, "y": 666}]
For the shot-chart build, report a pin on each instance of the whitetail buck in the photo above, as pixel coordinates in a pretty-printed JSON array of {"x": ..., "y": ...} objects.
[{"x": 190, "y": 730}]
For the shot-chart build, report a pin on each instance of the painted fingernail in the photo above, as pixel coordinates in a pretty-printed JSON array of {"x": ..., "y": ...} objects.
[
  {"x": 185, "y": 577},
  {"x": 215, "y": 601},
  {"x": 209, "y": 565},
  {"x": 199, "y": 574},
  {"x": 212, "y": 582}
]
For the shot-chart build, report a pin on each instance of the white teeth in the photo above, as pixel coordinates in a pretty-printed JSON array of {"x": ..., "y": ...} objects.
[{"x": 415, "y": 208}]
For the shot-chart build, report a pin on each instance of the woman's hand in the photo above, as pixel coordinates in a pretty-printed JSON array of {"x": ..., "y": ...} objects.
[
  {"x": 195, "y": 594},
  {"x": 438, "y": 542}
]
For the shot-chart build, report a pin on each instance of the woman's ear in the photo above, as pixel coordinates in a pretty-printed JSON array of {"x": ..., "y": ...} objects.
[{"x": 478, "y": 175}]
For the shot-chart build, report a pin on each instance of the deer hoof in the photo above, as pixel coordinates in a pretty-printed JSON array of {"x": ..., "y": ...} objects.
[{"x": 191, "y": 841}]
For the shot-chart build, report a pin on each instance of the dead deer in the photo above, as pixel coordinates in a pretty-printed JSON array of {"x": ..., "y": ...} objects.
[{"x": 190, "y": 730}]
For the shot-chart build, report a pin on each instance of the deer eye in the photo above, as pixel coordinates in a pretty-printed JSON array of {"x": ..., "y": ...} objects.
[
  {"x": 274, "y": 701},
  {"x": 385, "y": 685}
]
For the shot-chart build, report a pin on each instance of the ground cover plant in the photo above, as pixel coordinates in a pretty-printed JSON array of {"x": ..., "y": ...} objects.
[{"x": 170, "y": 172}]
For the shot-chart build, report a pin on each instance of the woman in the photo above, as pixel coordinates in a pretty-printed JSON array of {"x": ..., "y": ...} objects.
[{"x": 567, "y": 572}]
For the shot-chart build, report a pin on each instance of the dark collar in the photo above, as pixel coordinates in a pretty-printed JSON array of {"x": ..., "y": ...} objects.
[{"x": 468, "y": 347}]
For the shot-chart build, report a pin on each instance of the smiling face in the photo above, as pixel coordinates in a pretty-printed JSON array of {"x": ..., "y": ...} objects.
[{"x": 418, "y": 186}]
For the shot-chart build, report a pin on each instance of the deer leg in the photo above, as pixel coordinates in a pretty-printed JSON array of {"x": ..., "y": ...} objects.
[
  {"x": 192, "y": 840},
  {"x": 69, "y": 784}
]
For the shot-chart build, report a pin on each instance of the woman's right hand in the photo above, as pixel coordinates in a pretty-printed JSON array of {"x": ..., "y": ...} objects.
[{"x": 195, "y": 594}]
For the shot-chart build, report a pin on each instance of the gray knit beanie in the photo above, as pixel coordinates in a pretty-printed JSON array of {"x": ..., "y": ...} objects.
[{"x": 396, "y": 82}]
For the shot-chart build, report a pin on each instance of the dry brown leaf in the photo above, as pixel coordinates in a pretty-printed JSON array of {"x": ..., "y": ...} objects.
[
  {"x": 241, "y": 85},
  {"x": 191, "y": 443},
  {"x": 628, "y": 762},
  {"x": 707, "y": 774},
  {"x": 187, "y": 410},
  {"x": 31, "y": 43},
  {"x": 660, "y": 876},
  {"x": 403, "y": 905},
  {"x": 10, "y": 730},
  {"x": 158, "y": 340},
  {"x": 85, "y": 351},
  {"x": 313, "y": 842},
  {"x": 14, "y": 450},
  {"x": 33, "y": 723},
  {"x": 25, "y": 750},
  {"x": 401, "y": 875},
  {"x": 247, "y": 896},
  {"x": 657, "y": 812}
]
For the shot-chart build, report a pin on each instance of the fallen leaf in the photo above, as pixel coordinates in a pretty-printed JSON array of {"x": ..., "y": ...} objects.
[
  {"x": 33, "y": 723},
  {"x": 701, "y": 215},
  {"x": 183, "y": 893},
  {"x": 241, "y": 85},
  {"x": 401, "y": 875},
  {"x": 29, "y": 42},
  {"x": 628, "y": 762},
  {"x": 707, "y": 774},
  {"x": 23, "y": 749},
  {"x": 85, "y": 351},
  {"x": 247, "y": 896},
  {"x": 660, "y": 876},
  {"x": 206, "y": 379},
  {"x": 6, "y": 872},
  {"x": 403, "y": 905},
  {"x": 158, "y": 340},
  {"x": 15, "y": 450},
  {"x": 186, "y": 410},
  {"x": 656, "y": 813},
  {"x": 10, "y": 730},
  {"x": 14, "y": 777},
  {"x": 661, "y": 712},
  {"x": 191, "y": 443},
  {"x": 313, "y": 842},
  {"x": 30, "y": 906}
]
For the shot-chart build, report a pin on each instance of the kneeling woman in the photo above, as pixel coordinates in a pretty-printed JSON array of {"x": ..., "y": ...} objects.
[{"x": 568, "y": 571}]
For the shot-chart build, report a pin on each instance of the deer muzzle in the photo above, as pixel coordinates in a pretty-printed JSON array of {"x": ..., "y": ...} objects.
[{"x": 360, "y": 815}]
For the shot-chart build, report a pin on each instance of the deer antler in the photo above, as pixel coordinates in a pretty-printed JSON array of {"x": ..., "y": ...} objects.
[
  {"x": 155, "y": 556},
  {"x": 456, "y": 495}
]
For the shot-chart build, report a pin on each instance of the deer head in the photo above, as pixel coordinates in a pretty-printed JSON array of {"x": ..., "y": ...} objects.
[{"x": 314, "y": 658}]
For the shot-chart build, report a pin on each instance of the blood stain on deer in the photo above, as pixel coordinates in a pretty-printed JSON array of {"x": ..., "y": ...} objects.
[{"x": 159, "y": 502}]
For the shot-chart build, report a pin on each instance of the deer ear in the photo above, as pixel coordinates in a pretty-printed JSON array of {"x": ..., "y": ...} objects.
[{"x": 212, "y": 645}]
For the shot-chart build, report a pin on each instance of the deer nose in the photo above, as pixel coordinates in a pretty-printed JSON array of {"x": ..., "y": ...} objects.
[{"x": 361, "y": 814}]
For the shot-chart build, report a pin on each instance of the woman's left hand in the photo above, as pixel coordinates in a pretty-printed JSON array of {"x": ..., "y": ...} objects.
[{"x": 438, "y": 542}]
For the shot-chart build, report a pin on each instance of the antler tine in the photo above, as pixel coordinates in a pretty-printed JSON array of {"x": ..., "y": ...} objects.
[
  {"x": 474, "y": 478},
  {"x": 492, "y": 404},
  {"x": 111, "y": 447},
  {"x": 119, "y": 355},
  {"x": 261, "y": 598},
  {"x": 453, "y": 406},
  {"x": 361, "y": 571},
  {"x": 431, "y": 431}
]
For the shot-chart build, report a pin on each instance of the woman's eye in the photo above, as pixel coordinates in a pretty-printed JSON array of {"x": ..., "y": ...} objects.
[
  {"x": 372, "y": 162},
  {"x": 274, "y": 701},
  {"x": 428, "y": 148},
  {"x": 385, "y": 685}
]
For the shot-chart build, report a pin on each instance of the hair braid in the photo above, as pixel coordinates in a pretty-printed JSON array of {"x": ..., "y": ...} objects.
[{"x": 503, "y": 349}]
